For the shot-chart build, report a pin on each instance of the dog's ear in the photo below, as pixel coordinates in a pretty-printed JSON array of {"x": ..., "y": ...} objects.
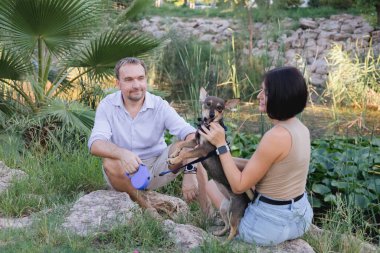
[
  {"x": 202, "y": 95},
  {"x": 231, "y": 103}
]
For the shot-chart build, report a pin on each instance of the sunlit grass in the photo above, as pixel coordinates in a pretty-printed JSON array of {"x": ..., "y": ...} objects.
[{"x": 53, "y": 178}]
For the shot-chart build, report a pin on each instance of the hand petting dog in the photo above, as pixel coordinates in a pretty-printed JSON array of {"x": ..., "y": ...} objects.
[{"x": 216, "y": 134}]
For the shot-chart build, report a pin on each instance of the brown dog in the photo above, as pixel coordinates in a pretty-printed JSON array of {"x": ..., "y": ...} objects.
[{"x": 212, "y": 111}]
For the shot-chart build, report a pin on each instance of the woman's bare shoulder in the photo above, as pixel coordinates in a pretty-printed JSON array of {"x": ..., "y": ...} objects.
[{"x": 277, "y": 133}]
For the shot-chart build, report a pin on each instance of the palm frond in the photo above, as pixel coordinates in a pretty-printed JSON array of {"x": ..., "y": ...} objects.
[
  {"x": 136, "y": 8},
  {"x": 7, "y": 108},
  {"x": 13, "y": 66},
  {"x": 101, "y": 54},
  {"x": 59, "y": 23},
  {"x": 59, "y": 82},
  {"x": 69, "y": 113},
  {"x": 10, "y": 103}
]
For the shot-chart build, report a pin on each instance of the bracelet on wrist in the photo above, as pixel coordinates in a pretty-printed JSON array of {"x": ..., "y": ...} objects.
[{"x": 190, "y": 169}]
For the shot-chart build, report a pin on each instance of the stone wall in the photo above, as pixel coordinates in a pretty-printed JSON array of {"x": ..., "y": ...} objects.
[{"x": 292, "y": 42}]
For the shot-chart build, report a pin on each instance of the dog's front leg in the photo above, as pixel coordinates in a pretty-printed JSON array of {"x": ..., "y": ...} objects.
[
  {"x": 195, "y": 153},
  {"x": 178, "y": 146}
]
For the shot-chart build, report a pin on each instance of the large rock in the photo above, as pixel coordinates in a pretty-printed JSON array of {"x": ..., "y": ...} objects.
[
  {"x": 186, "y": 237},
  {"x": 169, "y": 205},
  {"x": 7, "y": 175},
  {"x": 293, "y": 246},
  {"x": 308, "y": 23},
  {"x": 100, "y": 210},
  {"x": 15, "y": 222}
]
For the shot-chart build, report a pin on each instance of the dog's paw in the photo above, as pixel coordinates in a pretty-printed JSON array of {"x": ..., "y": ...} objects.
[
  {"x": 173, "y": 161},
  {"x": 175, "y": 153},
  {"x": 168, "y": 162}
]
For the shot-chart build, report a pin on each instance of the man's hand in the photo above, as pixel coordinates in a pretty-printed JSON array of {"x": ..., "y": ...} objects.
[
  {"x": 106, "y": 149},
  {"x": 189, "y": 187},
  {"x": 129, "y": 160}
]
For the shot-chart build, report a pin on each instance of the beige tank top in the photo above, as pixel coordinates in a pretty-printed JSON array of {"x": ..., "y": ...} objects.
[{"x": 286, "y": 179}]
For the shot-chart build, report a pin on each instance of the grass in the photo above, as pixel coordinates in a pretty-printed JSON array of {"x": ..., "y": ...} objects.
[
  {"x": 142, "y": 233},
  {"x": 342, "y": 233},
  {"x": 53, "y": 178}
]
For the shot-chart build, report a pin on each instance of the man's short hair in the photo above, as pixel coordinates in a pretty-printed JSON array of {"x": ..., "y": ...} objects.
[
  {"x": 128, "y": 60},
  {"x": 286, "y": 92}
]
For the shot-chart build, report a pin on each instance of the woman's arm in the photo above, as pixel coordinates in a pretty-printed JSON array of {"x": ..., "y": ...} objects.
[
  {"x": 240, "y": 162},
  {"x": 273, "y": 147}
]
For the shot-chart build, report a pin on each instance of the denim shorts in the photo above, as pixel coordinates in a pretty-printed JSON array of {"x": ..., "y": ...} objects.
[{"x": 266, "y": 225}]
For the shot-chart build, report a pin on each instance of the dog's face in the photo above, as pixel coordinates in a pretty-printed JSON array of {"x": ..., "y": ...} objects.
[{"x": 213, "y": 107}]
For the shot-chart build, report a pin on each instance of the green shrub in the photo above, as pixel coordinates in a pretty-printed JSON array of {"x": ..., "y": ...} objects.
[
  {"x": 348, "y": 167},
  {"x": 340, "y": 4},
  {"x": 263, "y": 3},
  {"x": 287, "y": 3},
  {"x": 314, "y": 3}
]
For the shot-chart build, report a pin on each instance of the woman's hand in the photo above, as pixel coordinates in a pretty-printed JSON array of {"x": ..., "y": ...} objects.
[{"x": 215, "y": 135}]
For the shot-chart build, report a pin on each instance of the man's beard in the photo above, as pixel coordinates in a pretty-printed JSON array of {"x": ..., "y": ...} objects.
[{"x": 136, "y": 98}]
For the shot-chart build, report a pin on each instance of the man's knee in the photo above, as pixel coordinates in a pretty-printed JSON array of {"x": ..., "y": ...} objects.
[{"x": 113, "y": 168}]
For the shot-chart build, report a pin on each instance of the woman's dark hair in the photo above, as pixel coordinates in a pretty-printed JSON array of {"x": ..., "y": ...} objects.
[{"x": 286, "y": 92}]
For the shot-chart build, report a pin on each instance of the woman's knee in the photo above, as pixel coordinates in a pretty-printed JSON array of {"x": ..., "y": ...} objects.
[
  {"x": 214, "y": 193},
  {"x": 211, "y": 187}
]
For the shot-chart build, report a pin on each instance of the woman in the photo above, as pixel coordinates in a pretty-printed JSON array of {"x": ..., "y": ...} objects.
[{"x": 278, "y": 168}]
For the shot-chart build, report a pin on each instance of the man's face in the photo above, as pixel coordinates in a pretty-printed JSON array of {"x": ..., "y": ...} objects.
[{"x": 132, "y": 82}]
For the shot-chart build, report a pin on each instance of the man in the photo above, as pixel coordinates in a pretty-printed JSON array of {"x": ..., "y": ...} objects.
[{"x": 129, "y": 130}]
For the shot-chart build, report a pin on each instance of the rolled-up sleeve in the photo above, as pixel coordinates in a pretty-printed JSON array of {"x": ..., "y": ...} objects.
[
  {"x": 176, "y": 124},
  {"x": 102, "y": 127}
]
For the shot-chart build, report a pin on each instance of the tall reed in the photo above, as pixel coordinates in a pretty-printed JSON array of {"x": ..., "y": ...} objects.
[{"x": 353, "y": 79}]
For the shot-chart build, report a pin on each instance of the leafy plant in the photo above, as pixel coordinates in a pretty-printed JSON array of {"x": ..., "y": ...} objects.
[
  {"x": 47, "y": 46},
  {"x": 340, "y": 4},
  {"x": 348, "y": 167},
  {"x": 287, "y": 3}
]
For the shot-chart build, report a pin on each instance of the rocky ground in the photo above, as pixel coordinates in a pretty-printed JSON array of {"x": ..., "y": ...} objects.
[{"x": 98, "y": 211}]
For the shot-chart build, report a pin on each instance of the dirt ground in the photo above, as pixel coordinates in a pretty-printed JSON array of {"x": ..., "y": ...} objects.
[{"x": 319, "y": 119}]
